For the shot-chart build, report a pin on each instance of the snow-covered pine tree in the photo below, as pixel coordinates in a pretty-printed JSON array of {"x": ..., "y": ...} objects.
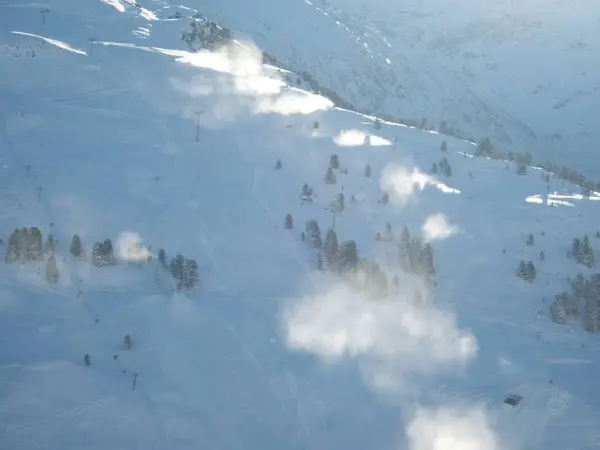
[
  {"x": 76, "y": 248},
  {"x": 586, "y": 254},
  {"x": 176, "y": 267},
  {"x": 395, "y": 284},
  {"x": 387, "y": 234},
  {"x": 190, "y": 274},
  {"x": 52, "y": 274},
  {"x": 522, "y": 271},
  {"x": 404, "y": 250},
  {"x": 347, "y": 257},
  {"x": 34, "y": 248},
  {"x": 288, "y": 223},
  {"x": 338, "y": 205},
  {"x": 329, "y": 176},
  {"x": 444, "y": 146},
  {"x": 368, "y": 171},
  {"x": 49, "y": 246},
  {"x": 334, "y": 162},
  {"x": 575, "y": 246},
  {"x": 127, "y": 342},
  {"x": 313, "y": 234},
  {"x": 426, "y": 260},
  {"x": 591, "y": 315},
  {"x": 329, "y": 249},
  {"x": 557, "y": 311},
  {"x": 108, "y": 252},
  {"x": 484, "y": 147},
  {"x": 530, "y": 272},
  {"x": 12, "y": 252}
]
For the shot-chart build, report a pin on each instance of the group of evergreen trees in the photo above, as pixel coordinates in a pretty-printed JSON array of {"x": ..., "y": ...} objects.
[
  {"x": 307, "y": 193},
  {"x": 526, "y": 271},
  {"x": 25, "y": 244},
  {"x": 443, "y": 167},
  {"x": 415, "y": 257},
  {"x": 582, "y": 252},
  {"x": 343, "y": 260},
  {"x": 204, "y": 33},
  {"x": 185, "y": 271},
  {"x": 386, "y": 235},
  {"x": 485, "y": 147},
  {"x": 103, "y": 253},
  {"x": 568, "y": 304}
]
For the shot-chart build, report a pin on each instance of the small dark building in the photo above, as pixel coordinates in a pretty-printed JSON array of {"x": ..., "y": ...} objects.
[{"x": 513, "y": 399}]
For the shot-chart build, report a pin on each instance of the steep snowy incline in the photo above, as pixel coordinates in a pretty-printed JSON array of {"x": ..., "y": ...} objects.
[
  {"x": 136, "y": 139},
  {"x": 521, "y": 73}
]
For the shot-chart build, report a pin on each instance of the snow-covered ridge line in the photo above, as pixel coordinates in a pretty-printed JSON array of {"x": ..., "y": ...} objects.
[{"x": 60, "y": 44}]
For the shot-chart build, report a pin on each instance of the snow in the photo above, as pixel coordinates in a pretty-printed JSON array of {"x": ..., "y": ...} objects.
[
  {"x": 267, "y": 352},
  {"x": 59, "y": 44},
  {"x": 519, "y": 72}
]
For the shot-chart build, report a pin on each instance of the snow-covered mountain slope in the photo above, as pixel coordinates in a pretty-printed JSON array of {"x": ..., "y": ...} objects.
[
  {"x": 102, "y": 139},
  {"x": 522, "y": 73}
]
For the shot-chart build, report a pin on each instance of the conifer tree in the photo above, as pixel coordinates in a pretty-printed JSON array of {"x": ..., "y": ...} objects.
[
  {"x": 368, "y": 171},
  {"x": 34, "y": 248},
  {"x": 49, "y": 246},
  {"x": 329, "y": 176},
  {"x": 52, "y": 274},
  {"x": 12, "y": 252},
  {"x": 288, "y": 222},
  {"x": 127, "y": 342},
  {"x": 76, "y": 248},
  {"x": 334, "y": 162}
]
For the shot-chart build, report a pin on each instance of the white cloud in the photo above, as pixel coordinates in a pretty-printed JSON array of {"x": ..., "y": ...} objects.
[
  {"x": 437, "y": 227},
  {"x": 391, "y": 339},
  {"x": 405, "y": 184},
  {"x": 378, "y": 141},
  {"x": 350, "y": 138},
  {"x": 249, "y": 85},
  {"x": 129, "y": 247},
  {"x": 451, "y": 429}
]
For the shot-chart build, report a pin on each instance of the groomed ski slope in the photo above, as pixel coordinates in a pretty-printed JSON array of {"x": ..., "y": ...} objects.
[{"x": 267, "y": 353}]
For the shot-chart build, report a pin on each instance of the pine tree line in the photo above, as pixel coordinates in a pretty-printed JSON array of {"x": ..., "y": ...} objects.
[
  {"x": 484, "y": 147},
  {"x": 414, "y": 256},
  {"x": 25, "y": 244},
  {"x": 204, "y": 33},
  {"x": 184, "y": 271},
  {"x": 527, "y": 271},
  {"x": 568, "y": 304},
  {"x": 582, "y": 252},
  {"x": 442, "y": 167}
]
